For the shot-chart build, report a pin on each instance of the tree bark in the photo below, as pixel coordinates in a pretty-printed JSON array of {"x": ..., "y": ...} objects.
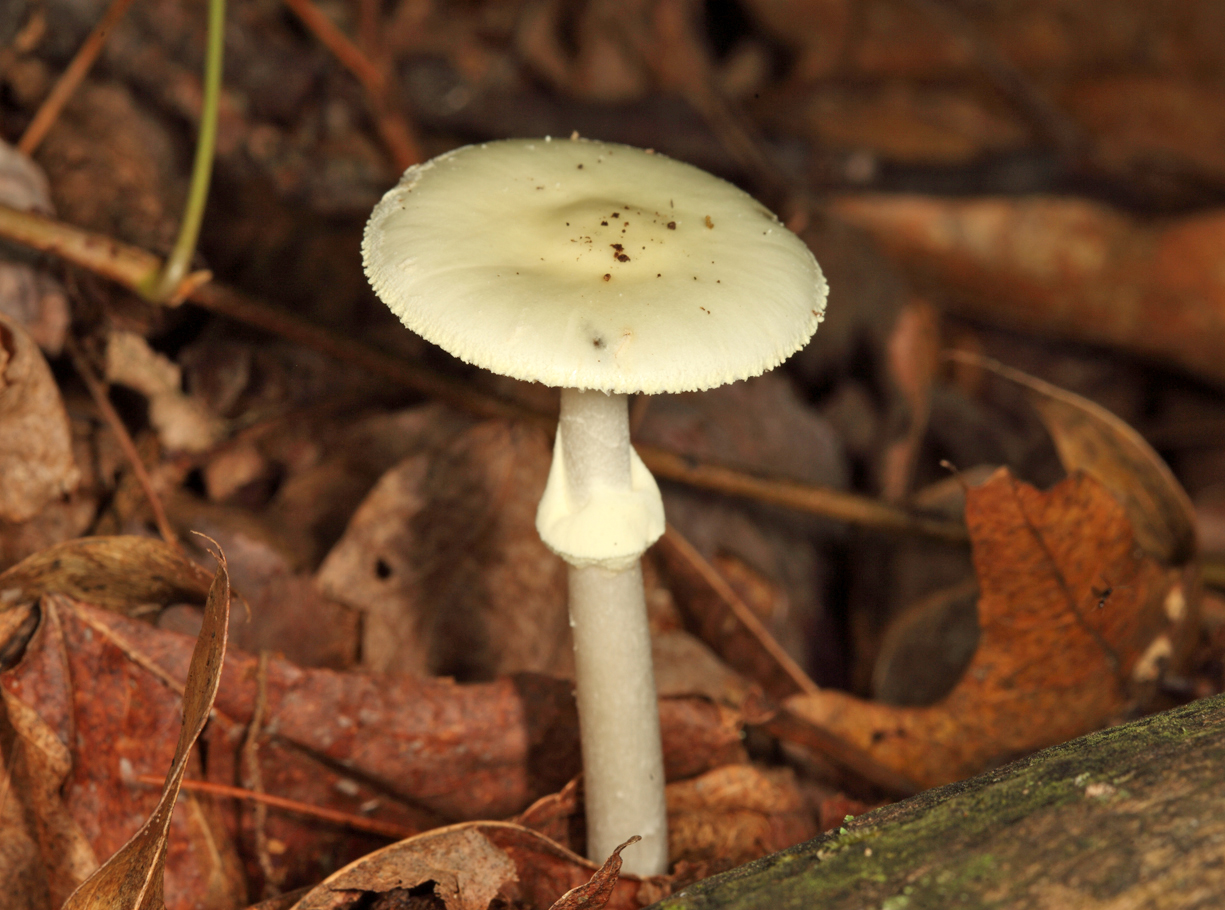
[{"x": 1130, "y": 817}]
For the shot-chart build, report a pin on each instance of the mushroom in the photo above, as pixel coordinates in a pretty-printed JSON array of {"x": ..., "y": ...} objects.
[{"x": 603, "y": 270}]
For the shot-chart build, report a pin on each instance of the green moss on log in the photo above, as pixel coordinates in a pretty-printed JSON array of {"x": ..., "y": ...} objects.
[{"x": 1133, "y": 813}]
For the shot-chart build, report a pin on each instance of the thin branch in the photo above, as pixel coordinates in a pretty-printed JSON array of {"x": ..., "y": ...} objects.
[
  {"x": 393, "y": 126},
  {"x": 791, "y": 494},
  {"x": 67, "y": 84},
  {"x": 254, "y": 776},
  {"x": 747, "y": 618},
  {"x": 336, "y": 41},
  {"x": 127, "y": 265},
  {"x": 98, "y": 392},
  {"x": 348, "y": 820}
]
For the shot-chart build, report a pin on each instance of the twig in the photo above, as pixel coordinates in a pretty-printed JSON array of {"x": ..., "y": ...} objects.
[
  {"x": 64, "y": 87},
  {"x": 394, "y": 128},
  {"x": 235, "y": 305},
  {"x": 250, "y": 760},
  {"x": 127, "y": 265},
  {"x": 336, "y": 41},
  {"x": 666, "y": 45},
  {"x": 823, "y": 501},
  {"x": 356, "y": 822},
  {"x": 748, "y": 619},
  {"x": 98, "y": 392}
]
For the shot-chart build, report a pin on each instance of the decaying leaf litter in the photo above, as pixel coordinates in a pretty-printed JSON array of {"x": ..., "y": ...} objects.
[{"x": 374, "y": 519}]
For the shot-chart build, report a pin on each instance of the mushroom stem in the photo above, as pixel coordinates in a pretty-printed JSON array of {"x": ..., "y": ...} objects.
[
  {"x": 623, "y": 773},
  {"x": 623, "y": 778}
]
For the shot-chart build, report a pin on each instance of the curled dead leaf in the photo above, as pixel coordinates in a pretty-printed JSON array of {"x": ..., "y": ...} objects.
[
  {"x": 1091, "y": 439},
  {"x": 120, "y": 573},
  {"x": 1065, "y": 267},
  {"x": 1057, "y": 650},
  {"x": 183, "y": 423},
  {"x": 36, "y": 463},
  {"x": 595, "y": 894},
  {"x": 133, "y": 878},
  {"x": 444, "y": 560},
  {"x": 471, "y": 863}
]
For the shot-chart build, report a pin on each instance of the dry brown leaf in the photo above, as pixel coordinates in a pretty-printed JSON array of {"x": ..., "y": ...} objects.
[
  {"x": 719, "y": 819},
  {"x": 34, "y": 300},
  {"x": 133, "y": 878},
  {"x": 121, "y": 573},
  {"x": 39, "y": 759},
  {"x": 36, "y": 463},
  {"x": 725, "y": 622},
  {"x": 87, "y": 716},
  {"x": 473, "y": 862},
  {"x": 927, "y": 646},
  {"x": 444, "y": 559},
  {"x": 21, "y": 869},
  {"x": 1070, "y": 610},
  {"x": 183, "y": 423},
  {"x": 461, "y": 751},
  {"x": 1063, "y": 267},
  {"x": 914, "y": 358},
  {"x": 1146, "y": 117},
  {"x": 734, "y": 814},
  {"x": 412, "y": 752},
  {"x": 466, "y": 869},
  {"x": 1091, "y": 439},
  {"x": 686, "y": 666},
  {"x": 595, "y": 894}
]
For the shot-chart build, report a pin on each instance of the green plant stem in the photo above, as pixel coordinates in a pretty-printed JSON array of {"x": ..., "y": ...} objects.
[{"x": 162, "y": 285}]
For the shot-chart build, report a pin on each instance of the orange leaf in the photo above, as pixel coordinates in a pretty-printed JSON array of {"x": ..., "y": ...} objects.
[{"x": 1068, "y": 607}]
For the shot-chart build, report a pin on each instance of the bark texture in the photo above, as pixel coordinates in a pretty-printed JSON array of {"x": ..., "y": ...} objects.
[{"x": 1130, "y": 817}]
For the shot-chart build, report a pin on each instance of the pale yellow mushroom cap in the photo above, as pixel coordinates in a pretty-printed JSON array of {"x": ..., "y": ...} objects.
[{"x": 589, "y": 265}]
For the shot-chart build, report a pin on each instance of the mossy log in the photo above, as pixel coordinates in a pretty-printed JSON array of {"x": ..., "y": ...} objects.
[{"x": 1130, "y": 817}]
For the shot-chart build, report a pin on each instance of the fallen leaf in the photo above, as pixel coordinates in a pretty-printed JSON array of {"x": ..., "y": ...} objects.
[
  {"x": 927, "y": 646},
  {"x": 36, "y": 463},
  {"x": 462, "y": 751},
  {"x": 1090, "y": 438},
  {"x": 466, "y": 869},
  {"x": 734, "y": 814},
  {"x": 119, "y": 572},
  {"x": 472, "y": 863},
  {"x": 87, "y": 717},
  {"x": 1065, "y": 268},
  {"x": 1142, "y": 117},
  {"x": 21, "y": 868},
  {"x": 722, "y": 619},
  {"x": 39, "y": 759},
  {"x": 444, "y": 560},
  {"x": 1055, "y": 657},
  {"x": 595, "y": 894},
  {"x": 719, "y": 819},
  {"x": 281, "y": 609},
  {"x": 685, "y": 666},
  {"x": 914, "y": 359},
  {"x": 183, "y": 423},
  {"x": 134, "y": 876}
]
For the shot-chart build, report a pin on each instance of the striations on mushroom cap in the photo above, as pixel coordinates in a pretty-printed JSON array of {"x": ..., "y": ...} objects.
[{"x": 590, "y": 265}]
